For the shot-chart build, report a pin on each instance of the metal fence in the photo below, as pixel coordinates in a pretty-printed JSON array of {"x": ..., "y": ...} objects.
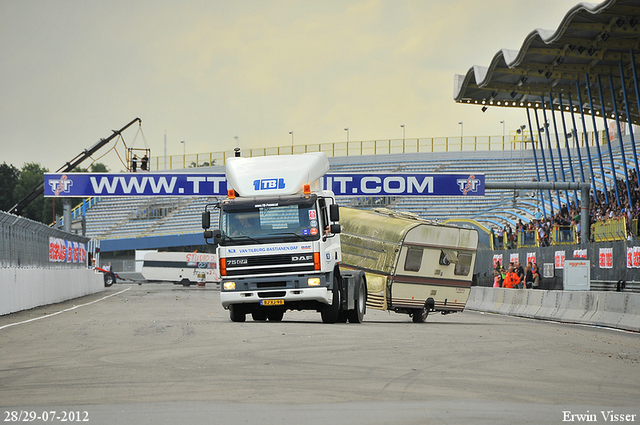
[
  {"x": 26, "y": 243},
  {"x": 510, "y": 142}
]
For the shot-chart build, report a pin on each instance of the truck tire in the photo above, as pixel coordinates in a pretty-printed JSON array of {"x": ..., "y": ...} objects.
[
  {"x": 357, "y": 314},
  {"x": 275, "y": 315},
  {"x": 259, "y": 316},
  {"x": 331, "y": 312},
  {"x": 185, "y": 282},
  {"x": 237, "y": 314},
  {"x": 109, "y": 279},
  {"x": 419, "y": 315}
]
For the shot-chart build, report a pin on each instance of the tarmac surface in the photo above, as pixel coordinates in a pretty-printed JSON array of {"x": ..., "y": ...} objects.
[{"x": 164, "y": 354}]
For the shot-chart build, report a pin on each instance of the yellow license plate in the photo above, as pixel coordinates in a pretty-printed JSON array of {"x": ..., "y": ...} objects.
[{"x": 271, "y": 302}]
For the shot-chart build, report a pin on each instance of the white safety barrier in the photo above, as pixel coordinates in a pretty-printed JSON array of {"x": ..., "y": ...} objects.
[
  {"x": 23, "y": 288},
  {"x": 620, "y": 310},
  {"x": 534, "y": 303},
  {"x": 549, "y": 308}
]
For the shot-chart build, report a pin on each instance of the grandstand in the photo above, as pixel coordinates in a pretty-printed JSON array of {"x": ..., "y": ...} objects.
[
  {"x": 142, "y": 216},
  {"x": 133, "y": 217},
  {"x": 554, "y": 73}
]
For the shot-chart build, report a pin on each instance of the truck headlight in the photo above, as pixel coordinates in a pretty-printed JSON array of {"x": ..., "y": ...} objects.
[
  {"x": 313, "y": 281},
  {"x": 229, "y": 286}
]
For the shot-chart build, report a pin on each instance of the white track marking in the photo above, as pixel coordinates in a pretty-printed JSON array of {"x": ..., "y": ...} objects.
[{"x": 63, "y": 311}]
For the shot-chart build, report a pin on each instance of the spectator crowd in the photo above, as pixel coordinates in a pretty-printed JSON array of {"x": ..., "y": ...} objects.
[
  {"x": 566, "y": 222},
  {"x": 516, "y": 277}
]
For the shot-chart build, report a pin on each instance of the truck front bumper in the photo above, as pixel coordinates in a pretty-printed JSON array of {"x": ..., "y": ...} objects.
[
  {"x": 320, "y": 294},
  {"x": 292, "y": 289}
]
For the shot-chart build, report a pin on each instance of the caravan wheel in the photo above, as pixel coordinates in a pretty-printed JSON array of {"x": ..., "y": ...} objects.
[{"x": 419, "y": 315}]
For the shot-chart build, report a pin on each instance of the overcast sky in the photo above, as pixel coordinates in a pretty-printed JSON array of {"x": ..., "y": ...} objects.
[{"x": 208, "y": 71}]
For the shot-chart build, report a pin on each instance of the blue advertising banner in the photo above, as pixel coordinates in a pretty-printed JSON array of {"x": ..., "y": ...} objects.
[
  {"x": 427, "y": 184},
  {"x": 208, "y": 184},
  {"x": 134, "y": 184}
]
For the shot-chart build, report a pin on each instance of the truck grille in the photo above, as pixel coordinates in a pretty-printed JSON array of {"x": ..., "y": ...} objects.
[
  {"x": 270, "y": 264},
  {"x": 276, "y": 294},
  {"x": 262, "y": 285}
]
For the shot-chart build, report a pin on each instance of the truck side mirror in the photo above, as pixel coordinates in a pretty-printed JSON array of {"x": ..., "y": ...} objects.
[
  {"x": 214, "y": 234},
  {"x": 206, "y": 221},
  {"x": 334, "y": 213},
  {"x": 217, "y": 236},
  {"x": 332, "y": 229}
]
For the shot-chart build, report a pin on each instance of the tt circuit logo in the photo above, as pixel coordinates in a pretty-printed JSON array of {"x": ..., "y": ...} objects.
[
  {"x": 268, "y": 184},
  {"x": 468, "y": 185},
  {"x": 61, "y": 186}
]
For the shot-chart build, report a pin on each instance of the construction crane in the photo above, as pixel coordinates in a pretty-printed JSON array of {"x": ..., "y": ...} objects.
[{"x": 75, "y": 162}]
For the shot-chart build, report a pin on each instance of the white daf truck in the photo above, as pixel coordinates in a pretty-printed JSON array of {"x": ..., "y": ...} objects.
[
  {"x": 278, "y": 242},
  {"x": 279, "y": 247}
]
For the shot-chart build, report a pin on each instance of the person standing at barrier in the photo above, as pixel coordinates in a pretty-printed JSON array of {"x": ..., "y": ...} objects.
[
  {"x": 528, "y": 275},
  {"x": 497, "y": 281},
  {"x": 511, "y": 280},
  {"x": 540, "y": 231},
  {"x": 536, "y": 276},
  {"x": 509, "y": 236},
  {"x": 520, "y": 272}
]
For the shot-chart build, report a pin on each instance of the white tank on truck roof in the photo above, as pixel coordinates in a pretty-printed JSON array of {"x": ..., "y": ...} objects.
[{"x": 276, "y": 175}]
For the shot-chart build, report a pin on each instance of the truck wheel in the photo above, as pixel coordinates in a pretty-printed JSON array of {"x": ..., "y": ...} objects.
[
  {"x": 275, "y": 315},
  {"x": 330, "y": 312},
  {"x": 185, "y": 282},
  {"x": 357, "y": 314},
  {"x": 109, "y": 279},
  {"x": 237, "y": 314},
  {"x": 420, "y": 314},
  {"x": 259, "y": 316}
]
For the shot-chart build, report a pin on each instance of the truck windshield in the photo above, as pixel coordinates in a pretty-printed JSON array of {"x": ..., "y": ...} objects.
[{"x": 284, "y": 223}]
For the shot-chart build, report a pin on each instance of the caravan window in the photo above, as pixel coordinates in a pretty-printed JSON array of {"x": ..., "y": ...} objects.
[
  {"x": 448, "y": 256},
  {"x": 413, "y": 260},
  {"x": 463, "y": 266}
]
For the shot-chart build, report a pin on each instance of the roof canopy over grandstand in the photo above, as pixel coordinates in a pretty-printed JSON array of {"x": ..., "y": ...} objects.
[{"x": 593, "y": 41}]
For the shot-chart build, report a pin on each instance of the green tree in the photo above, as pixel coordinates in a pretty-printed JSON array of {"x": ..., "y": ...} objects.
[
  {"x": 40, "y": 209},
  {"x": 99, "y": 167},
  {"x": 8, "y": 178}
]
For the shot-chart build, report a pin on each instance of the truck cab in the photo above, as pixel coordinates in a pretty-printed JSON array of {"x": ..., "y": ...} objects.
[{"x": 278, "y": 242}]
